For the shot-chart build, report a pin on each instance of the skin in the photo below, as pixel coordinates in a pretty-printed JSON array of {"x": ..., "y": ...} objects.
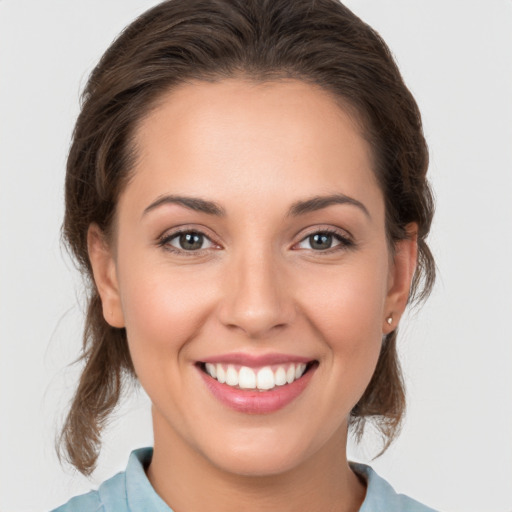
[{"x": 257, "y": 286}]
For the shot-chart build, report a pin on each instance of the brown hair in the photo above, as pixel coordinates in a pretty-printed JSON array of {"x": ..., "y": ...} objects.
[{"x": 317, "y": 41}]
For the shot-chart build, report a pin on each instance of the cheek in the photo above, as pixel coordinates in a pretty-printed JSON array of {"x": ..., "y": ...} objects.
[
  {"x": 162, "y": 311},
  {"x": 346, "y": 309},
  {"x": 348, "y": 302}
]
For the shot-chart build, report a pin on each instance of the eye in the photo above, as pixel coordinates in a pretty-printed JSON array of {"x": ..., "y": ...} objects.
[
  {"x": 324, "y": 240},
  {"x": 187, "y": 241}
]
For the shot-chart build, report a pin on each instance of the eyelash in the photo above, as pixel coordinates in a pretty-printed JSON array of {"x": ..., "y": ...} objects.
[
  {"x": 165, "y": 240},
  {"x": 345, "y": 242}
]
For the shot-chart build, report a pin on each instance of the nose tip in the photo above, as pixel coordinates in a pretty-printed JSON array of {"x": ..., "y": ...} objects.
[
  {"x": 257, "y": 300},
  {"x": 255, "y": 323}
]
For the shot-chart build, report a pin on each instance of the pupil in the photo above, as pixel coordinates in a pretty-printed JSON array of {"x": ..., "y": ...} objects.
[
  {"x": 191, "y": 241},
  {"x": 321, "y": 241}
]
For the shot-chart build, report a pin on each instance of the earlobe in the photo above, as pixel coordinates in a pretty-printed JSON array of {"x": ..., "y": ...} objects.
[
  {"x": 105, "y": 276},
  {"x": 401, "y": 275}
]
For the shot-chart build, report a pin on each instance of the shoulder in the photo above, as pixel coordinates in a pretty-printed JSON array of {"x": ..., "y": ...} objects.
[
  {"x": 86, "y": 502},
  {"x": 381, "y": 497},
  {"x": 123, "y": 492},
  {"x": 111, "y": 496}
]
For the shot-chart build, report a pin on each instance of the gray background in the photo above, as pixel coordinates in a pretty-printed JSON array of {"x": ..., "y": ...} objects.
[{"x": 455, "y": 452}]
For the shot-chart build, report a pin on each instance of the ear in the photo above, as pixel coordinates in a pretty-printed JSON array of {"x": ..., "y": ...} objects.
[
  {"x": 105, "y": 275},
  {"x": 400, "y": 277}
]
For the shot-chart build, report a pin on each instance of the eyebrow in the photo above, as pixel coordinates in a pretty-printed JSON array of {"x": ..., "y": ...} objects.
[
  {"x": 298, "y": 208},
  {"x": 319, "y": 202},
  {"x": 192, "y": 203}
]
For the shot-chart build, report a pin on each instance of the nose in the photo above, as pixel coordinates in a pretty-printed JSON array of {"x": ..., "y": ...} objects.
[{"x": 257, "y": 297}]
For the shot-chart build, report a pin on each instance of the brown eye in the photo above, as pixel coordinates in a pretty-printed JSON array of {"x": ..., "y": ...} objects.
[
  {"x": 323, "y": 241},
  {"x": 189, "y": 241}
]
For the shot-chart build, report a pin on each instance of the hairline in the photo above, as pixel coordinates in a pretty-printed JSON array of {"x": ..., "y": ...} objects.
[{"x": 355, "y": 114}]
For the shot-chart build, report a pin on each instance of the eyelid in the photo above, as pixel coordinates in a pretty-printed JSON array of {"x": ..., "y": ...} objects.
[
  {"x": 169, "y": 234},
  {"x": 343, "y": 236},
  {"x": 345, "y": 239}
]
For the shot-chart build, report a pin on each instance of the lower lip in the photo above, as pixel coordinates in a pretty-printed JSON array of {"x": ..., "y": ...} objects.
[{"x": 257, "y": 402}]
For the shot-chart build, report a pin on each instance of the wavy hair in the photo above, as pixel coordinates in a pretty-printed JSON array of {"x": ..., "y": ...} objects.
[{"x": 317, "y": 41}]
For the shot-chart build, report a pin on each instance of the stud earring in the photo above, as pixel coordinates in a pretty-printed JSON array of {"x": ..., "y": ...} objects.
[{"x": 389, "y": 319}]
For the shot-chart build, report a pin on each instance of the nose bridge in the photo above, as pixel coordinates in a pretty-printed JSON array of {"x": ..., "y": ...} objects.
[{"x": 256, "y": 298}]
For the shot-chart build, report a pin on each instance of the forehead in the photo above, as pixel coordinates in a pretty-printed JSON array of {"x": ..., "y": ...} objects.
[{"x": 236, "y": 138}]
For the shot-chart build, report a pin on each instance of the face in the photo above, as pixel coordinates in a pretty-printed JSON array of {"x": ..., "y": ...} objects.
[{"x": 251, "y": 270}]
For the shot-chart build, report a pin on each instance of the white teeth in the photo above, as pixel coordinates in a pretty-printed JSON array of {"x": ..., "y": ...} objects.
[
  {"x": 299, "y": 370},
  {"x": 263, "y": 379},
  {"x": 210, "y": 368},
  {"x": 280, "y": 377},
  {"x": 231, "y": 376},
  {"x": 221, "y": 374},
  {"x": 246, "y": 378}
]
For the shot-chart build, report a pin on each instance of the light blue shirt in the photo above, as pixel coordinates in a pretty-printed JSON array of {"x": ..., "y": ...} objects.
[{"x": 130, "y": 491}]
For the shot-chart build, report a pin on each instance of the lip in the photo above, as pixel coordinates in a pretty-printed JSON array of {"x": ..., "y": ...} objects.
[
  {"x": 257, "y": 402},
  {"x": 256, "y": 361}
]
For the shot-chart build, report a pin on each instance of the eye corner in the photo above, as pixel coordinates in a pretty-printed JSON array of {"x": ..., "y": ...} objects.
[
  {"x": 196, "y": 236},
  {"x": 343, "y": 241}
]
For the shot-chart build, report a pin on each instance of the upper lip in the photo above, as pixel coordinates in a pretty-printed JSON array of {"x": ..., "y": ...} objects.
[{"x": 255, "y": 361}]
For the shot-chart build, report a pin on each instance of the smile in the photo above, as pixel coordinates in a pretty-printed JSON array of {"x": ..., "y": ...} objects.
[
  {"x": 263, "y": 379},
  {"x": 257, "y": 385}
]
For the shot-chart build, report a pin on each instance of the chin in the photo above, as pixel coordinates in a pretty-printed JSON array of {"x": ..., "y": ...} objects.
[
  {"x": 260, "y": 455},
  {"x": 260, "y": 464}
]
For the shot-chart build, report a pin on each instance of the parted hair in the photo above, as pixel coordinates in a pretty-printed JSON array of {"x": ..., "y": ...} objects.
[{"x": 317, "y": 41}]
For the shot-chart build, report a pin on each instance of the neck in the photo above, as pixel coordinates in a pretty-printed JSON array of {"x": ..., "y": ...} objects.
[{"x": 186, "y": 480}]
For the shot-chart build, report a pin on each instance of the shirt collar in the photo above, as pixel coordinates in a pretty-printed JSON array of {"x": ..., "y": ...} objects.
[{"x": 140, "y": 495}]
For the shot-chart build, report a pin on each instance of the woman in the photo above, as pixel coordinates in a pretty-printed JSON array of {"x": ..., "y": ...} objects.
[{"x": 246, "y": 191}]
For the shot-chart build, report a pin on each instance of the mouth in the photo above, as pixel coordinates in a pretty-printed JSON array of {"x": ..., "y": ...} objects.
[
  {"x": 256, "y": 384},
  {"x": 262, "y": 379}
]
